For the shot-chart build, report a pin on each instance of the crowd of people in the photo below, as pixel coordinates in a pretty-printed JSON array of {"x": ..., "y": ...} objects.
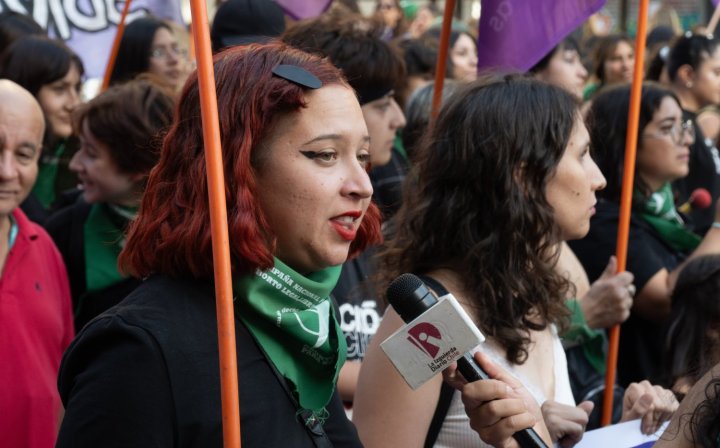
[{"x": 337, "y": 182}]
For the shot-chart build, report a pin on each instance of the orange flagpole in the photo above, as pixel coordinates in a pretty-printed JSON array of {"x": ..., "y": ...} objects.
[
  {"x": 626, "y": 199},
  {"x": 218, "y": 225},
  {"x": 115, "y": 46},
  {"x": 442, "y": 58}
]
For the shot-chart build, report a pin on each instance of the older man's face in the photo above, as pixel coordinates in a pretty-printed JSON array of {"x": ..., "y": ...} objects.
[{"x": 21, "y": 133}]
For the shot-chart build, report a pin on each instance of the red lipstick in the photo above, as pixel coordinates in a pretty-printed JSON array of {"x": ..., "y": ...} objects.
[{"x": 344, "y": 224}]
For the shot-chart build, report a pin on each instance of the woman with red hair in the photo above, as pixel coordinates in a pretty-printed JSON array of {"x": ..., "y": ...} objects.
[{"x": 295, "y": 150}]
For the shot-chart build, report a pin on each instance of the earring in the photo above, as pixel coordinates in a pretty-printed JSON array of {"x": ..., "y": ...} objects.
[{"x": 688, "y": 84}]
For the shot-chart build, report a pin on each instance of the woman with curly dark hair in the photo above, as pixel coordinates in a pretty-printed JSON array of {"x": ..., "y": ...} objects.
[
  {"x": 693, "y": 340},
  {"x": 697, "y": 421},
  {"x": 496, "y": 187}
]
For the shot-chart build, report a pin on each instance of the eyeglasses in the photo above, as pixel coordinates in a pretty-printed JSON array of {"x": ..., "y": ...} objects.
[
  {"x": 677, "y": 132},
  {"x": 163, "y": 52}
]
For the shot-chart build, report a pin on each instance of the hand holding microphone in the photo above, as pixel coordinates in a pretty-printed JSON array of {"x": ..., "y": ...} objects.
[
  {"x": 497, "y": 407},
  {"x": 500, "y": 409}
]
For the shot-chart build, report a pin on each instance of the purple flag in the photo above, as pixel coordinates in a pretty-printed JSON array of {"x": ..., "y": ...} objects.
[
  {"x": 88, "y": 26},
  {"x": 303, "y": 9},
  {"x": 515, "y": 34}
]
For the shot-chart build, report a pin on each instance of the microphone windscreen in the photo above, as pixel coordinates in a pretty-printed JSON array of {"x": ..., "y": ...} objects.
[
  {"x": 409, "y": 296},
  {"x": 402, "y": 287},
  {"x": 700, "y": 199}
]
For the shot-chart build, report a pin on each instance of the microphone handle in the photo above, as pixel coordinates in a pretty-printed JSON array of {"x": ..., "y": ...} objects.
[{"x": 467, "y": 366}]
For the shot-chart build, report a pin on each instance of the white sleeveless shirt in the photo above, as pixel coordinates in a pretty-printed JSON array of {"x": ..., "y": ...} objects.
[{"x": 456, "y": 432}]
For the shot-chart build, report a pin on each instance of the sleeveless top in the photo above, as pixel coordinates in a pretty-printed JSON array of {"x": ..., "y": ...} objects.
[{"x": 456, "y": 432}]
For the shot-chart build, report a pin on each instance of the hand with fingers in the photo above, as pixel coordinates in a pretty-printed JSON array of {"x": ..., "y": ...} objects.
[
  {"x": 566, "y": 423},
  {"x": 498, "y": 407},
  {"x": 653, "y": 404},
  {"x": 609, "y": 299}
]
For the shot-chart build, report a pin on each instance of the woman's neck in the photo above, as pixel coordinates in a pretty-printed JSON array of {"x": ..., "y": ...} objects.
[
  {"x": 687, "y": 100},
  {"x": 652, "y": 184}
]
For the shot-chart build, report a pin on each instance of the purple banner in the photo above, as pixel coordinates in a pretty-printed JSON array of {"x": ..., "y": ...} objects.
[
  {"x": 515, "y": 34},
  {"x": 88, "y": 26},
  {"x": 303, "y": 9}
]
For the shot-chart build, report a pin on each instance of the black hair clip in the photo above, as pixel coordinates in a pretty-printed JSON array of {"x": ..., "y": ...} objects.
[{"x": 297, "y": 75}]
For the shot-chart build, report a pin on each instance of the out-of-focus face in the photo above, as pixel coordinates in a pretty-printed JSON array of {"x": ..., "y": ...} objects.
[
  {"x": 100, "y": 178},
  {"x": 390, "y": 12},
  {"x": 705, "y": 85},
  {"x": 619, "y": 66},
  {"x": 571, "y": 190},
  {"x": 383, "y": 118},
  {"x": 166, "y": 57},
  {"x": 664, "y": 151},
  {"x": 565, "y": 70},
  {"x": 58, "y": 99},
  {"x": 422, "y": 22},
  {"x": 21, "y": 134},
  {"x": 464, "y": 58},
  {"x": 312, "y": 183}
]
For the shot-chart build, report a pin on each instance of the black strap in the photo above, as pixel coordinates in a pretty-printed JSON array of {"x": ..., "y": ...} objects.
[
  {"x": 312, "y": 424},
  {"x": 446, "y": 391}
]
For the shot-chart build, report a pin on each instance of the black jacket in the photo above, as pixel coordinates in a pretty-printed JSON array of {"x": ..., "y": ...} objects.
[
  {"x": 145, "y": 374},
  {"x": 66, "y": 229}
]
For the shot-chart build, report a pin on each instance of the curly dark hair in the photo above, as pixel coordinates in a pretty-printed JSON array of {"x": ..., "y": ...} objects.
[
  {"x": 475, "y": 204},
  {"x": 705, "y": 421},
  {"x": 690, "y": 347}
]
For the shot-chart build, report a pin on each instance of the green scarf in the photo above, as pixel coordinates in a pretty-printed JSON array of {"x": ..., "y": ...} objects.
[
  {"x": 592, "y": 341},
  {"x": 291, "y": 317},
  {"x": 659, "y": 211},
  {"x": 44, "y": 188},
  {"x": 104, "y": 238}
]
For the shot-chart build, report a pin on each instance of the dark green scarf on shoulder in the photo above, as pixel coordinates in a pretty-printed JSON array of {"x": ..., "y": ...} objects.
[
  {"x": 291, "y": 316},
  {"x": 659, "y": 211}
]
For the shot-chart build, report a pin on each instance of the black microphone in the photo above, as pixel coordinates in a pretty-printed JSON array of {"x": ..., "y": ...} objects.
[{"x": 410, "y": 297}]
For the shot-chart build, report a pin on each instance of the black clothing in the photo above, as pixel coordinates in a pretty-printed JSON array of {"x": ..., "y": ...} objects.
[
  {"x": 34, "y": 210},
  {"x": 146, "y": 374},
  {"x": 387, "y": 183},
  {"x": 357, "y": 304},
  {"x": 641, "y": 341},
  {"x": 704, "y": 172},
  {"x": 66, "y": 227}
]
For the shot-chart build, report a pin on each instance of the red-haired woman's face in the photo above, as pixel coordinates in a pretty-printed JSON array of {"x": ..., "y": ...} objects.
[{"x": 313, "y": 187}]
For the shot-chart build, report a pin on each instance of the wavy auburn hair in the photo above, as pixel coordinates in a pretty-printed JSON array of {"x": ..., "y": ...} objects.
[
  {"x": 475, "y": 204},
  {"x": 171, "y": 234}
]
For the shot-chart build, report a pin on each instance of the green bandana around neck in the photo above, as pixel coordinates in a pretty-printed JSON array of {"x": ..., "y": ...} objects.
[
  {"x": 48, "y": 165},
  {"x": 104, "y": 238},
  {"x": 659, "y": 211},
  {"x": 291, "y": 317}
]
